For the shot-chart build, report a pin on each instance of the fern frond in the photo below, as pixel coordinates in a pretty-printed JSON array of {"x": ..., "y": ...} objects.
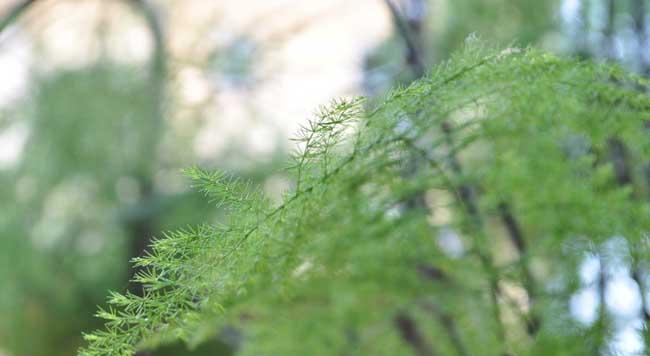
[{"x": 514, "y": 149}]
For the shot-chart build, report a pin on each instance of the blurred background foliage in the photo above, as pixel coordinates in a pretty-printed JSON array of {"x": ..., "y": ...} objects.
[{"x": 93, "y": 132}]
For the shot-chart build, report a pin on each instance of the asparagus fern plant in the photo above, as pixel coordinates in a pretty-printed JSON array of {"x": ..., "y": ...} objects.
[{"x": 448, "y": 219}]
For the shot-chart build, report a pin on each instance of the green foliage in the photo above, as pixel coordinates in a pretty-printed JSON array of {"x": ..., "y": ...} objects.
[{"x": 492, "y": 147}]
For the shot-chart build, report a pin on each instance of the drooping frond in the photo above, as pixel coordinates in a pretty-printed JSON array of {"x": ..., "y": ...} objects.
[{"x": 514, "y": 154}]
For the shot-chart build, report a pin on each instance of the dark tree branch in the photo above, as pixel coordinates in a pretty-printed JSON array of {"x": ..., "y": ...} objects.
[
  {"x": 639, "y": 279},
  {"x": 467, "y": 195},
  {"x": 624, "y": 176},
  {"x": 409, "y": 24},
  {"x": 469, "y": 206},
  {"x": 638, "y": 10},
  {"x": 583, "y": 48},
  {"x": 414, "y": 56},
  {"x": 623, "y": 172},
  {"x": 609, "y": 43},
  {"x": 158, "y": 67},
  {"x": 602, "y": 288},
  {"x": 620, "y": 161},
  {"x": 142, "y": 227},
  {"x": 533, "y": 322},
  {"x": 514, "y": 230},
  {"x": 411, "y": 334},
  {"x": 468, "y": 201},
  {"x": 415, "y": 13},
  {"x": 432, "y": 273},
  {"x": 14, "y": 13},
  {"x": 449, "y": 324},
  {"x": 600, "y": 326}
]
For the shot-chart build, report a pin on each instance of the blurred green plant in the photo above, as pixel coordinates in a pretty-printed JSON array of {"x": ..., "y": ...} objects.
[
  {"x": 525, "y": 22},
  {"x": 522, "y": 154},
  {"x": 60, "y": 237}
]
